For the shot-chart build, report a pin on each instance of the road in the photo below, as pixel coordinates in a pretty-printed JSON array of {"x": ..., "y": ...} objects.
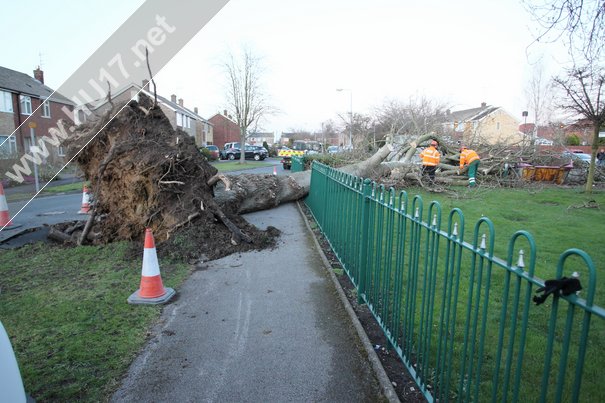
[{"x": 43, "y": 210}]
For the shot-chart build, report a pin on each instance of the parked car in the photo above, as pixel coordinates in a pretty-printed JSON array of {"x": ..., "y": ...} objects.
[
  {"x": 214, "y": 151},
  {"x": 578, "y": 158},
  {"x": 251, "y": 152},
  {"x": 232, "y": 145},
  {"x": 261, "y": 149},
  {"x": 545, "y": 142},
  {"x": 333, "y": 149}
]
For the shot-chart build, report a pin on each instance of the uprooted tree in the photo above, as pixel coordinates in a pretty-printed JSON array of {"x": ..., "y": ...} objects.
[{"x": 144, "y": 174}]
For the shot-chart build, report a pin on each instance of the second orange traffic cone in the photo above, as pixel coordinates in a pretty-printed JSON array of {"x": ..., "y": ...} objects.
[
  {"x": 151, "y": 290},
  {"x": 5, "y": 219},
  {"x": 85, "y": 209}
]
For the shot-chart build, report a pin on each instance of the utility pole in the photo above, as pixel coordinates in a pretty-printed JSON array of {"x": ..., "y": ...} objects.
[{"x": 34, "y": 149}]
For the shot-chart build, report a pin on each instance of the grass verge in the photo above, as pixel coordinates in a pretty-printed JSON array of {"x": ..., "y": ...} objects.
[
  {"x": 229, "y": 166},
  {"x": 69, "y": 187},
  {"x": 49, "y": 190},
  {"x": 66, "y": 313}
]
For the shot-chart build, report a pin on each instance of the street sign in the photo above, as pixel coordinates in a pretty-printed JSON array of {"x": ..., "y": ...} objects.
[{"x": 33, "y": 125}]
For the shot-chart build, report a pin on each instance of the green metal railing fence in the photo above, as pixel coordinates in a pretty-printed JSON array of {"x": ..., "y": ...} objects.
[
  {"x": 461, "y": 319},
  {"x": 298, "y": 164}
]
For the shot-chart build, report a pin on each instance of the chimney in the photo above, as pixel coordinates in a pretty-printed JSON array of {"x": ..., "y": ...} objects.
[
  {"x": 447, "y": 112},
  {"x": 173, "y": 98},
  {"x": 483, "y": 104},
  {"x": 145, "y": 82},
  {"x": 195, "y": 110},
  {"x": 39, "y": 75},
  {"x": 181, "y": 101},
  {"x": 225, "y": 112}
]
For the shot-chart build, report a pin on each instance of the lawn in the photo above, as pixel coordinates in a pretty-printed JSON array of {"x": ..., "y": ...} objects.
[
  {"x": 69, "y": 187},
  {"x": 229, "y": 166},
  {"x": 557, "y": 218},
  {"x": 50, "y": 189},
  {"x": 65, "y": 311}
]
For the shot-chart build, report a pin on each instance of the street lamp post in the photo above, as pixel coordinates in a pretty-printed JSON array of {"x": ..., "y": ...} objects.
[
  {"x": 351, "y": 109},
  {"x": 524, "y": 114}
]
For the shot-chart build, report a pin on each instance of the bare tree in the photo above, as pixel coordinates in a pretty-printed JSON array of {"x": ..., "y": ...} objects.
[
  {"x": 417, "y": 117},
  {"x": 538, "y": 99},
  {"x": 362, "y": 129},
  {"x": 329, "y": 132},
  {"x": 581, "y": 23},
  {"x": 246, "y": 99},
  {"x": 583, "y": 95}
]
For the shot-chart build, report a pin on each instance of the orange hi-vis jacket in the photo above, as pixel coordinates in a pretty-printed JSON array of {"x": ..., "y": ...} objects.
[
  {"x": 430, "y": 157},
  {"x": 467, "y": 156}
]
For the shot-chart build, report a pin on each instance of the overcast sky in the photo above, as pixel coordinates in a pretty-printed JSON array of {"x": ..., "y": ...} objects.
[{"x": 460, "y": 52}]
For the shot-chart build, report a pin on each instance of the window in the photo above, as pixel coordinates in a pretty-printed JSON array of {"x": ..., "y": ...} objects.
[
  {"x": 179, "y": 119},
  {"x": 46, "y": 109},
  {"x": 497, "y": 125},
  {"x": 28, "y": 143},
  {"x": 6, "y": 102},
  {"x": 8, "y": 147},
  {"x": 188, "y": 120},
  {"x": 26, "y": 105},
  {"x": 61, "y": 151}
]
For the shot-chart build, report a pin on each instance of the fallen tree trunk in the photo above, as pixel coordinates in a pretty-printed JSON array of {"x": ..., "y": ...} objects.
[{"x": 251, "y": 192}]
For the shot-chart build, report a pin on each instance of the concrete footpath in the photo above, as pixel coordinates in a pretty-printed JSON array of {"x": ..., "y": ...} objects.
[{"x": 262, "y": 326}]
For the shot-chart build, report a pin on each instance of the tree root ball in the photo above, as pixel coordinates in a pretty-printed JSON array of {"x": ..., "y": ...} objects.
[{"x": 144, "y": 174}]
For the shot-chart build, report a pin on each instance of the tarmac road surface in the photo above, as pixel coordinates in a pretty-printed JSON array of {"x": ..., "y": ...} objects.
[{"x": 43, "y": 210}]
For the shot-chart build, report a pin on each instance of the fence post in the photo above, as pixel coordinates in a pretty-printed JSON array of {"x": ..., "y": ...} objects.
[
  {"x": 324, "y": 210},
  {"x": 363, "y": 247}
]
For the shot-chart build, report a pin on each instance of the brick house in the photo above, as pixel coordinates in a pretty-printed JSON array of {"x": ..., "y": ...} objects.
[
  {"x": 560, "y": 133},
  {"x": 25, "y": 100},
  {"x": 583, "y": 129},
  {"x": 259, "y": 138},
  {"x": 484, "y": 125},
  {"x": 179, "y": 116},
  {"x": 225, "y": 129}
]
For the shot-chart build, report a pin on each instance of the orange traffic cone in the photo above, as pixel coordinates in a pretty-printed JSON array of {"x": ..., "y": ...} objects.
[
  {"x": 85, "y": 209},
  {"x": 5, "y": 219},
  {"x": 151, "y": 290}
]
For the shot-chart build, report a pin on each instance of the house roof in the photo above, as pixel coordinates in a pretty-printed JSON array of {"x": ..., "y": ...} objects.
[
  {"x": 172, "y": 105},
  {"x": 21, "y": 83},
  {"x": 220, "y": 115},
  {"x": 176, "y": 107},
  {"x": 469, "y": 115},
  {"x": 261, "y": 134}
]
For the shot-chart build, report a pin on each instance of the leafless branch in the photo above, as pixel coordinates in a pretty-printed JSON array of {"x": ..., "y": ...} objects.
[{"x": 155, "y": 93}]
